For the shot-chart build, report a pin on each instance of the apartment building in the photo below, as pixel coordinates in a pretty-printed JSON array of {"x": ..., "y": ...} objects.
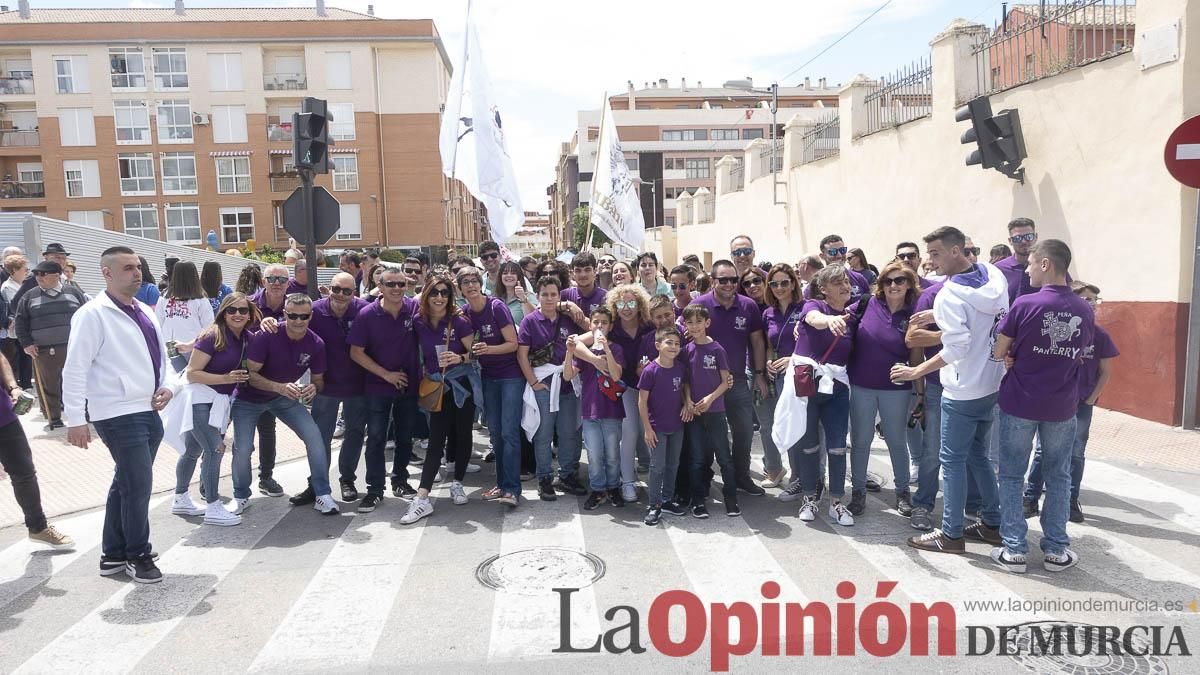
[{"x": 171, "y": 123}]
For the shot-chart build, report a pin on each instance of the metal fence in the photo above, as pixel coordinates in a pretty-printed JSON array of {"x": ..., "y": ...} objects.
[
  {"x": 823, "y": 140},
  {"x": 737, "y": 176},
  {"x": 22, "y": 190},
  {"x": 707, "y": 206},
  {"x": 770, "y": 157},
  {"x": 1036, "y": 41},
  {"x": 901, "y": 97}
]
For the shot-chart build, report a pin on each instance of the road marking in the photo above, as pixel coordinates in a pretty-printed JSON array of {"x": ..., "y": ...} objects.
[{"x": 1160, "y": 499}]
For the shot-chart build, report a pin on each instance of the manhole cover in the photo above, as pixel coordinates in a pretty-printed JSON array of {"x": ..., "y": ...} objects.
[
  {"x": 1056, "y": 657},
  {"x": 534, "y": 571}
]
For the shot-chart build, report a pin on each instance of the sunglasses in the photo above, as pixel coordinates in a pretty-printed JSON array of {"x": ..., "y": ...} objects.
[
  {"x": 895, "y": 281},
  {"x": 45, "y": 274},
  {"x": 412, "y": 271},
  {"x": 244, "y": 311},
  {"x": 393, "y": 284},
  {"x": 531, "y": 270},
  {"x": 679, "y": 287},
  {"x": 908, "y": 256},
  {"x": 606, "y": 261},
  {"x": 342, "y": 290},
  {"x": 972, "y": 250},
  {"x": 836, "y": 251},
  {"x": 625, "y": 304},
  {"x": 752, "y": 282},
  {"x": 298, "y": 317},
  {"x": 489, "y": 256},
  {"x": 443, "y": 292},
  {"x": 782, "y": 283},
  {"x": 1027, "y": 238},
  {"x": 742, "y": 252},
  {"x": 727, "y": 281},
  {"x": 276, "y": 280}
]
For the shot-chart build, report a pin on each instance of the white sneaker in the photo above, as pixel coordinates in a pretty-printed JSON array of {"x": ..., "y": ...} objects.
[
  {"x": 424, "y": 444},
  {"x": 840, "y": 514},
  {"x": 417, "y": 510},
  {"x": 457, "y": 493},
  {"x": 217, "y": 514},
  {"x": 340, "y": 429},
  {"x": 239, "y": 505},
  {"x": 808, "y": 509},
  {"x": 449, "y": 468},
  {"x": 1060, "y": 561},
  {"x": 184, "y": 506},
  {"x": 326, "y": 505}
]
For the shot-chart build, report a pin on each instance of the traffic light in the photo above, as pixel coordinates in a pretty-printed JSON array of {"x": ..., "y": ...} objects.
[
  {"x": 998, "y": 138},
  {"x": 310, "y": 136}
]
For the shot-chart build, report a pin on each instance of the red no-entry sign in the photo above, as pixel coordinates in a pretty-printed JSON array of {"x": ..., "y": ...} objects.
[{"x": 1182, "y": 154}]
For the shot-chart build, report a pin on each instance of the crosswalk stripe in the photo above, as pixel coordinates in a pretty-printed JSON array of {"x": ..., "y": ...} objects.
[{"x": 1144, "y": 492}]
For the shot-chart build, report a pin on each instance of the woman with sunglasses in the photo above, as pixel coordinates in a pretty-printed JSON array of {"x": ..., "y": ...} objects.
[
  {"x": 559, "y": 270},
  {"x": 779, "y": 319},
  {"x": 445, "y": 338},
  {"x": 529, "y": 268},
  {"x": 630, "y": 306},
  {"x": 879, "y": 344},
  {"x": 858, "y": 262},
  {"x": 216, "y": 367},
  {"x": 753, "y": 284}
]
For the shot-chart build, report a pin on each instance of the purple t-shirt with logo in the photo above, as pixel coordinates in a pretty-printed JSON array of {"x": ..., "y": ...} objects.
[
  {"x": 631, "y": 348},
  {"x": 879, "y": 343},
  {"x": 225, "y": 361},
  {"x": 859, "y": 285},
  {"x": 813, "y": 342},
  {"x": 780, "y": 327},
  {"x": 587, "y": 303},
  {"x": 537, "y": 331},
  {"x": 260, "y": 299},
  {"x": 1050, "y": 330},
  {"x": 1018, "y": 278},
  {"x": 593, "y": 404},
  {"x": 284, "y": 360},
  {"x": 648, "y": 348},
  {"x": 705, "y": 363},
  {"x": 390, "y": 342},
  {"x": 733, "y": 327},
  {"x": 1102, "y": 348},
  {"x": 431, "y": 337},
  {"x": 344, "y": 377},
  {"x": 924, "y": 302},
  {"x": 488, "y": 323},
  {"x": 666, "y": 398}
]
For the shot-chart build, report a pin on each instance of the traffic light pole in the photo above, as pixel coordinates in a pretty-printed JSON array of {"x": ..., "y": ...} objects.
[{"x": 310, "y": 230}]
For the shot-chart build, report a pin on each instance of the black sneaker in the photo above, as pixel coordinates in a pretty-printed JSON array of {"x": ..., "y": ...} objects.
[
  {"x": 616, "y": 498},
  {"x": 546, "y": 489},
  {"x": 904, "y": 504},
  {"x": 594, "y": 500},
  {"x": 490, "y": 457},
  {"x": 874, "y": 482},
  {"x": 674, "y": 508},
  {"x": 110, "y": 566},
  {"x": 858, "y": 502},
  {"x": 699, "y": 511},
  {"x": 792, "y": 492},
  {"x": 750, "y": 487},
  {"x": 732, "y": 509},
  {"x": 1031, "y": 508},
  {"x": 143, "y": 570},
  {"x": 369, "y": 503},
  {"x": 416, "y": 459},
  {"x": 1076, "y": 512},
  {"x": 570, "y": 485},
  {"x": 269, "y": 487},
  {"x": 53, "y": 425},
  {"x": 653, "y": 515},
  {"x": 981, "y": 531},
  {"x": 403, "y": 491},
  {"x": 349, "y": 492},
  {"x": 305, "y": 497}
]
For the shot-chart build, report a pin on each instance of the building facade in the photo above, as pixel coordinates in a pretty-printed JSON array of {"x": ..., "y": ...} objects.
[{"x": 173, "y": 123}]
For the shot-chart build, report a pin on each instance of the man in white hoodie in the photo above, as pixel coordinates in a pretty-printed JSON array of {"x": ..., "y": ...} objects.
[
  {"x": 117, "y": 374},
  {"x": 972, "y": 302}
]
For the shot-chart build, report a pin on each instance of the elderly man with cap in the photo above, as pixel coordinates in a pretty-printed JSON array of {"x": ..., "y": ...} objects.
[
  {"x": 43, "y": 326},
  {"x": 53, "y": 253}
]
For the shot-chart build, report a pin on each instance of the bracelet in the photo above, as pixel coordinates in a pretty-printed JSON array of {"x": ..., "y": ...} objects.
[{"x": 758, "y": 371}]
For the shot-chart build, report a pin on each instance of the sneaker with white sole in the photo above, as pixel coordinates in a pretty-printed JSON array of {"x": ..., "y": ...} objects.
[
  {"x": 471, "y": 468},
  {"x": 239, "y": 505},
  {"x": 792, "y": 492},
  {"x": 629, "y": 493},
  {"x": 326, "y": 505},
  {"x": 1057, "y": 562},
  {"x": 217, "y": 514},
  {"x": 184, "y": 506},
  {"x": 418, "y": 509},
  {"x": 808, "y": 509},
  {"x": 1013, "y": 562},
  {"x": 390, "y": 445},
  {"x": 340, "y": 429},
  {"x": 457, "y": 493},
  {"x": 839, "y": 514},
  {"x": 53, "y": 538}
]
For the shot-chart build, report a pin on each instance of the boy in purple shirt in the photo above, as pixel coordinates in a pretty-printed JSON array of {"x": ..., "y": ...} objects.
[
  {"x": 661, "y": 404},
  {"x": 705, "y": 385},
  {"x": 599, "y": 369},
  {"x": 1045, "y": 334},
  {"x": 585, "y": 293}
]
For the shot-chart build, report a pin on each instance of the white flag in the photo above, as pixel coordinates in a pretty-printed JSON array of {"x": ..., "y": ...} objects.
[
  {"x": 616, "y": 205},
  {"x": 472, "y": 142}
]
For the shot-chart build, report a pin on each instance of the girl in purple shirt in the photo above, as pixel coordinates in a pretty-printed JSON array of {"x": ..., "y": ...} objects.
[
  {"x": 780, "y": 319},
  {"x": 630, "y": 308},
  {"x": 599, "y": 367}
]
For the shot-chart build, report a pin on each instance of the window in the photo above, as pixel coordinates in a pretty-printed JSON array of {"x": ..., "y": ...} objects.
[
  {"x": 696, "y": 168},
  {"x": 19, "y": 69},
  {"x": 225, "y": 72},
  {"x": 137, "y": 173},
  {"x": 83, "y": 177},
  {"x": 233, "y": 175},
  {"x": 669, "y": 219},
  {"x": 87, "y": 218},
  {"x": 725, "y": 134},
  {"x": 677, "y": 192},
  {"x": 632, "y": 163},
  {"x": 29, "y": 172},
  {"x": 23, "y": 120},
  {"x": 183, "y": 222},
  {"x": 337, "y": 70},
  {"x": 351, "y": 226},
  {"x": 342, "y": 126},
  {"x": 237, "y": 225},
  {"x": 179, "y": 173},
  {"x": 673, "y": 164},
  {"x": 229, "y": 123},
  {"x": 132, "y": 119},
  {"x": 685, "y": 135},
  {"x": 751, "y": 134},
  {"x": 71, "y": 74},
  {"x": 174, "y": 121},
  {"x": 127, "y": 67},
  {"x": 141, "y": 220},
  {"x": 170, "y": 68},
  {"x": 345, "y": 172}
]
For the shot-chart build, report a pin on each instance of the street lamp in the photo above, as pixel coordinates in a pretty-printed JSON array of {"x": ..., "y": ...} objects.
[{"x": 748, "y": 86}]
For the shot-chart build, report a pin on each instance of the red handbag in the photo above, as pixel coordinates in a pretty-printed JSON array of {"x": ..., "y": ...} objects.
[{"x": 804, "y": 378}]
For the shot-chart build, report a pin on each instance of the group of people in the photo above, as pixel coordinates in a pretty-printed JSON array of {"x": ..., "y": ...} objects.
[{"x": 663, "y": 372}]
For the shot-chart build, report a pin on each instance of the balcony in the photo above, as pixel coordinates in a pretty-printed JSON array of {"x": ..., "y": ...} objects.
[
  {"x": 285, "y": 81},
  {"x": 16, "y": 84},
  {"x": 14, "y": 190},
  {"x": 284, "y": 182},
  {"x": 279, "y": 132},
  {"x": 19, "y": 138}
]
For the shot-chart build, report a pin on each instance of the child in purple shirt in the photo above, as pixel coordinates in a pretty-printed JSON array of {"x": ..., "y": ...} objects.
[
  {"x": 661, "y": 404},
  {"x": 599, "y": 369},
  {"x": 705, "y": 385}
]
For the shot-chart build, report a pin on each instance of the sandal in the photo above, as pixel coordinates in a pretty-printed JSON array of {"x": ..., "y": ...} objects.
[{"x": 493, "y": 494}]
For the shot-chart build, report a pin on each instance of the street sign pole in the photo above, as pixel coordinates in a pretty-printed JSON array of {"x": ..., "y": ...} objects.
[
  {"x": 310, "y": 230},
  {"x": 1182, "y": 158}
]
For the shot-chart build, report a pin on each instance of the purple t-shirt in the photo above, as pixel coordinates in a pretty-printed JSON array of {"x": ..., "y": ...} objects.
[
  {"x": 1018, "y": 278},
  {"x": 260, "y": 299},
  {"x": 924, "y": 283},
  {"x": 226, "y": 360},
  {"x": 1050, "y": 329},
  {"x": 879, "y": 343},
  {"x": 296, "y": 287},
  {"x": 733, "y": 327},
  {"x": 488, "y": 323},
  {"x": 813, "y": 342},
  {"x": 344, "y": 377},
  {"x": 859, "y": 285},
  {"x": 780, "y": 327},
  {"x": 631, "y": 348},
  {"x": 7, "y": 416},
  {"x": 537, "y": 331},
  {"x": 704, "y": 366},
  {"x": 593, "y": 404},
  {"x": 587, "y": 303},
  {"x": 647, "y": 349},
  {"x": 666, "y": 398},
  {"x": 149, "y": 332},
  {"x": 432, "y": 337},
  {"x": 284, "y": 360},
  {"x": 924, "y": 302},
  {"x": 1102, "y": 348},
  {"x": 390, "y": 342}
]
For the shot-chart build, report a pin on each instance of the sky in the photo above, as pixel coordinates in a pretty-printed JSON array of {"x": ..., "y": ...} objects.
[{"x": 551, "y": 58}]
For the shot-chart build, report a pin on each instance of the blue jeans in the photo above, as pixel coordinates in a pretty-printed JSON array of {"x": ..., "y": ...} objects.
[
  {"x": 603, "y": 441},
  {"x": 354, "y": 412},
  {"x": 739, "y": 411},
  {"x": 893, "y": 407},
  {"x": 564, "y": 422},
  {"x": 828, "y": 414},
  {"x": 1083, "y": 426},
  {"x": 1016, "y": 442},
  {"x": 966, "y": 429},
  {"x": 664, "y": 463},
  {"x": 930, "y": 463},
  {"x": 201, "y": 443},
  {"x": 502, "y": 403},
  {"x": 295, "y": 416},
  {"x": 709, "y": 434},
  {"x": 772, "y": 461},
  {"x": 401, "y": 412},
  {"x": 132, "y": 441}
]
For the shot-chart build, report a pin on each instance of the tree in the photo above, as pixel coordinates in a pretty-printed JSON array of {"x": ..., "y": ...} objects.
[{"x": 579, "y": 225}]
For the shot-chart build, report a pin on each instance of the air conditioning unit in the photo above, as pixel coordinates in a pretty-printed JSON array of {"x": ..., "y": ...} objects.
[{"x": 199, "y": 118}]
